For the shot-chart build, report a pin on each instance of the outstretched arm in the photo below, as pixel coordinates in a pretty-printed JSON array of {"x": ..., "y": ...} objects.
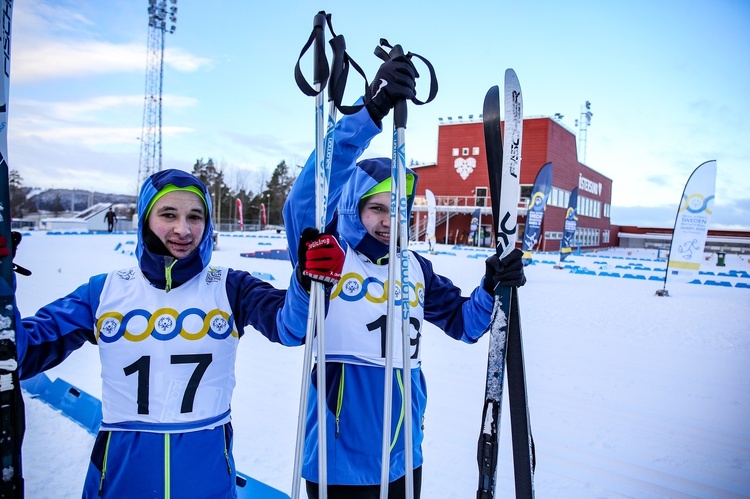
[
  {"x": 352, "y": 135},
  {"x": 57, "y": 329}
]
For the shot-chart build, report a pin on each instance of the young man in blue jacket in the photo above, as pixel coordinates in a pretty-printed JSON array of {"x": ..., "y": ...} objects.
[
  {"x": 358, "y": 217},
  {"x": 167, "y": 332}
]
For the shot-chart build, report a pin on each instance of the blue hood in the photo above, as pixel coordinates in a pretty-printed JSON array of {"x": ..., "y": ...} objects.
[
  {"x": 153, "y": 264},
  {"x": 368, "y": 174}
]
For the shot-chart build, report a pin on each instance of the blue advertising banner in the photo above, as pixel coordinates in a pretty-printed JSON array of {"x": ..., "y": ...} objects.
[
  {"x": 473, "y": 228},
  {"x": 571, "y": 224},
  {"x": 535, "y": 212}
]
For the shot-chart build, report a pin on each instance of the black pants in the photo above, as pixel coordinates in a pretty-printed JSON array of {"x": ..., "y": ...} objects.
[{"x": 396, "y": 489}]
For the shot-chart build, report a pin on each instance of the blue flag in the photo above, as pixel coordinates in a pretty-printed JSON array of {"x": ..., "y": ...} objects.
[
  {"x": 473, "y": 228},
  {"x": 571, "y": 224},
  {"x": 535, "y": 211}
]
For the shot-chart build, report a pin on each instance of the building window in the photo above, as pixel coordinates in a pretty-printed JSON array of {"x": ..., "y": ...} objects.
[
  {"x": 586, "y": 237},
  {"x": 605, "y": 236},
  {"x": 455, "y": 151},
  {"x": 480, "y": 198},
  {"x": 475, "y": 151},
  {"x": 465, "y": 151},
  {"x": 606, "y": 210},
  {"x": 559, "y": 198}
]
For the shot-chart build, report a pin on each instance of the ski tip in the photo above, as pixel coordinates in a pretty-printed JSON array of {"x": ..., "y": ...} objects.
[
  {"x": 511, "y": 78},
  {"x": 491, "y": 102}
]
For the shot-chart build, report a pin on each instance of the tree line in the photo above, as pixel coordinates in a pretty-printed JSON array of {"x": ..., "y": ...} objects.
[
  {"x": 272, "y": 194},
  {"x": 224, "y": 198}
]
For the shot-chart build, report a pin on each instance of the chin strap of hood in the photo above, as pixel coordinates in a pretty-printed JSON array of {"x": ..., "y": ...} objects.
[{"x": 157, "y": 264}]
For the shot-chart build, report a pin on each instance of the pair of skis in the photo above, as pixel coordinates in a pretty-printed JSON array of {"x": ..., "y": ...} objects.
[
  {"x": 504, "y": 162},
  {"x": 12, "y": 424}
]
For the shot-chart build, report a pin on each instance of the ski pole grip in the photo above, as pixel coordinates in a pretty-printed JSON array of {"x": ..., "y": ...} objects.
[
  {"x": 339, "y": 70},
  {"x": 399, "y": 109},
  {"x": 320, "y": 64}
]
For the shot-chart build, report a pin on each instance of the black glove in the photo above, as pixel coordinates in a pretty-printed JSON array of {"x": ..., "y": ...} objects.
[
  {"x": 507, "y": 272},
  {"x": 395, "y": 80},
  {"x": 15, "y": 238},
  {"x": 320, "y": 258}
]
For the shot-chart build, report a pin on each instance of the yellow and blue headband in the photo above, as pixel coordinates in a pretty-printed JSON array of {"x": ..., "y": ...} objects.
[
  {"x": 385, "y": 186},
  {"x": 171, "y": 188}
]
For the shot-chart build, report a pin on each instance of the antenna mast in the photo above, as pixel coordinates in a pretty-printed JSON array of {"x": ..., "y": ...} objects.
[
  {"x": 161, "y": 19},
  {"x": 583, "y": 127}
]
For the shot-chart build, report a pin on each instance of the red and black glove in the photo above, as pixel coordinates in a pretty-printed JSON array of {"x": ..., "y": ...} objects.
[
  {"x": 320, "y": 258},
  {"x": 15, "y": 238}
]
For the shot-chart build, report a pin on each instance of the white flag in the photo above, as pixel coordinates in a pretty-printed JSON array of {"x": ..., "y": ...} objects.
[
  {"x": 691, "y": 225},
  {"x": 430, "y": 233}
]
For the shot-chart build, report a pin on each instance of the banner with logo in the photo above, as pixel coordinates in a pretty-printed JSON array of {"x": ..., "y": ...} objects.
[
  {"x": 571, "y": 224},
  {"x": 535, "y": 211},
  {"x": 474, "y": 228},
  {"x": 691, "y": 224},
  {"x": 262, "y": 215},
  {"x": 430, "y": 233}
]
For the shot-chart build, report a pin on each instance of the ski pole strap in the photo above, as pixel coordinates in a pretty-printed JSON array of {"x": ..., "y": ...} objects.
[
  {"x": 339, "y": 73},
  {"x": 397, "y": 51},
  {"x": 320, "y": 63}
]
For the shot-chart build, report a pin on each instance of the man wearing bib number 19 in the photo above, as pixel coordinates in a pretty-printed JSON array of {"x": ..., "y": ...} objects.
[
  {"x": 358, "y": 216},
  {"x": 167, "y": 332}
]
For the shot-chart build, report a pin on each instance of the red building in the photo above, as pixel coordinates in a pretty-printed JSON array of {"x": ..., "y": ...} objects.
[{"x": 460, "y": 184}]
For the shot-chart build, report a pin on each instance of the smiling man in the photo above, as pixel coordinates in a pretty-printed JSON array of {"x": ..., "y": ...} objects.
[{"x": 167, "y": 330}]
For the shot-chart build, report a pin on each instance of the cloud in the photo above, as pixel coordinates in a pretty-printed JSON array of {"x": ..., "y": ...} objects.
[
  {"x": 94, "y": 136},
  {"x": 48, "y": 45},
  {"x": 81, "y": 110}
]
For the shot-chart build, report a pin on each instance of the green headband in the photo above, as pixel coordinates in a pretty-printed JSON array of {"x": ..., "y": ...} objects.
[
  {"x": 385, "y": 186},
  {"x": 171, "y": 188}
]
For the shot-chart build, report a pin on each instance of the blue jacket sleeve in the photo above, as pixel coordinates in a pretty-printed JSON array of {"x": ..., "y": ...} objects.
[
  {"x": 280, "y": 315},
  {"x": 462, "y": 318},
  {"x": 49, "y": 336},
  {"x": 351, "y": 137}
]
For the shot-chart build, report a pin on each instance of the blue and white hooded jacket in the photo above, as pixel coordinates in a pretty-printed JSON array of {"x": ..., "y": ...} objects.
[
  {"x": 167, "y": 333},
  {"x": 356, "y": 319}
]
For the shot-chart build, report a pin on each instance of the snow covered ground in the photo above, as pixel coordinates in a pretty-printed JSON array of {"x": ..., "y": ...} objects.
[{"x": 631, "y": 395}]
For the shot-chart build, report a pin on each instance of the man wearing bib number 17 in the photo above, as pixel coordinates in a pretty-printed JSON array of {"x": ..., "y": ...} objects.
[
  {"x": 167, "y": 332},
  {"x": 359, "y": 218}
]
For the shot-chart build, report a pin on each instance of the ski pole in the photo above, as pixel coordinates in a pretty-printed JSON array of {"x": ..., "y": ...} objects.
[
  {"x": 316, "y": 312},
  {"x": 398, "y": 245},
  {"x": 316, "y": 316}
]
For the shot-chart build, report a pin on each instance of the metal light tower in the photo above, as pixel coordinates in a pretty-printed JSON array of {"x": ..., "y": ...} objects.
[
  {"x": 583, "y": 127},
  {"x": 161, "y": 19}
]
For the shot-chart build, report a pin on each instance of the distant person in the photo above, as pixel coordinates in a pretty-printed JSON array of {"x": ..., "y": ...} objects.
[
  {"x": 167, "y": 331},
  {"x": 111, "y": 218}
]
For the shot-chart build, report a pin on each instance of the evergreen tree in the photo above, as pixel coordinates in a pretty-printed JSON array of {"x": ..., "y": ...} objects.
[
  {"x": 221, "y": 196},
  {"x": 57, "y": 206},
  {"x": 17, "y": 194},
  {"x": 276, "y": 192}
]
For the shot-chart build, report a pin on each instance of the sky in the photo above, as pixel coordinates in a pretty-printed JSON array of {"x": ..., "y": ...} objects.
[
  {"x": 667, "y": 81},
  {"x": 630, "y": 394}
]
